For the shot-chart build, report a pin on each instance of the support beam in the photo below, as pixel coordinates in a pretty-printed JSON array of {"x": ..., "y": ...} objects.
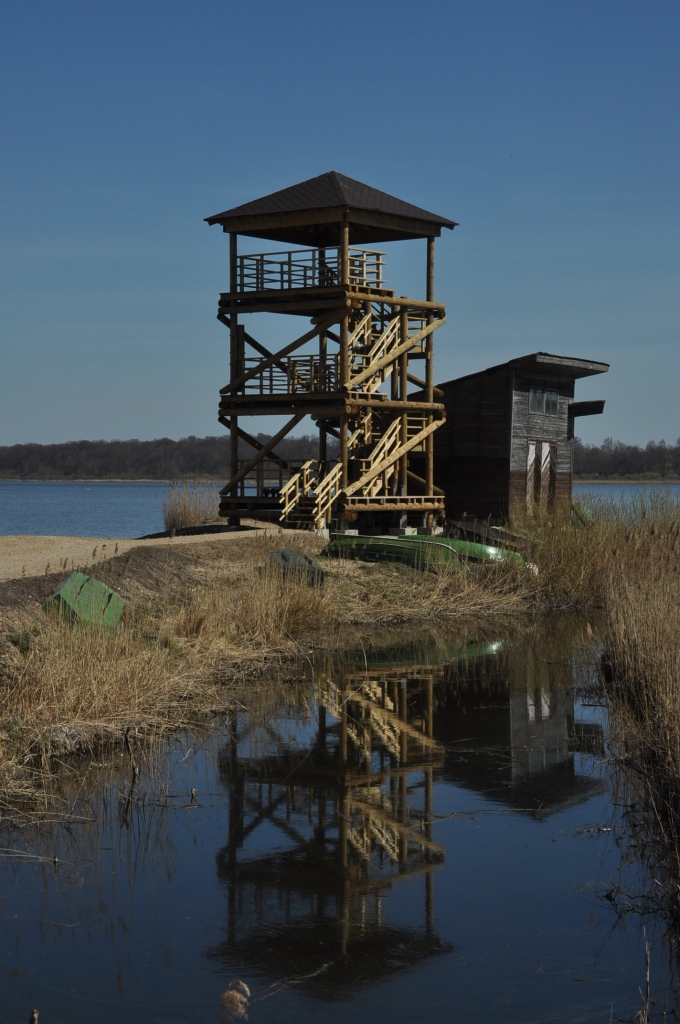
[
  {"x": 233, "y": 362},
  {"x": 344, "y": 252},
  {"x": 430, "y": 270},
  {"x": 323, "y": 348},
  {"x": 233, "y": 261},
  {"x": 421, "y": 480},
  {"x": 249, "y": 439},
  {"x": 344, "y": 451},
  {"x": 423, "y": 384},
  {"x": 403, "y": 395},
  {"x": 223, "y": 319}
]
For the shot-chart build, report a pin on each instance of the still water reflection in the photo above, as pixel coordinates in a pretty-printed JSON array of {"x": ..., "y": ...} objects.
[{"x": 419, "y": 834}]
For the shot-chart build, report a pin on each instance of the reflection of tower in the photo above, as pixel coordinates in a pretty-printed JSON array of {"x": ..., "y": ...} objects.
[{"x": 320, "y": 828}]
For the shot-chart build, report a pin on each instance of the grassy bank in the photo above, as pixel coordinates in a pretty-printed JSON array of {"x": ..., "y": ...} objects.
[
  {"x": 207, "y": 616},
  {"x": 202, "y": 618}
]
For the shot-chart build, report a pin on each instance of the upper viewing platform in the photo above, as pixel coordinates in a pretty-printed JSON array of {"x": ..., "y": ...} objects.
[
  {"x": 330, "y": 216},
  {"x": 309, "y": 268}
]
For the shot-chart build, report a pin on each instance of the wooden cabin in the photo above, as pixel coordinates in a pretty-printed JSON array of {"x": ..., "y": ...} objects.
[{"x": 505, "y": 448}]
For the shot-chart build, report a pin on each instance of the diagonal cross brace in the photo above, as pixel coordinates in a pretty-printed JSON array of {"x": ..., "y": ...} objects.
[
  {"x": 249, "y": 439},
  {"x": 253, "y": 342},
  {"x": 271, "y": 443}
]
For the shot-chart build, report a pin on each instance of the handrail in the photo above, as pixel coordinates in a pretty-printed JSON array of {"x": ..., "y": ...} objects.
[
  {"x": 293, "y": 375},
  {"x": 387, "y": 442},
  {"x": 361, "y": 361},
  {"x": 308, "y": 268},
  {"x": 326, "y": 492},
  {"x": 289, "y": 496},
  {"x": 360, "y": 331}
]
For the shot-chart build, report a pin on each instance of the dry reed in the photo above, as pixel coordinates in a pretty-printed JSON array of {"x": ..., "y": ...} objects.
[
  {"x": 641, "y": 661},
  {"x": 188, "y": 504}
]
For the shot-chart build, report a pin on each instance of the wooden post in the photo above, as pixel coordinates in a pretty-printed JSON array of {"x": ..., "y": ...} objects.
[
  {"x": 322, "y": 386},
  {"x": 234, "y": 344},
  {"x": 403, "y": 394},
  {"x": 430, "y": 270},
  {"x": 344, "y": 252},
  {"x": 344, "y": 451},
  {"x": 343, "y": 359},
  {"x": 394, "y": 395},
  {"x": 429, "y": 380}
]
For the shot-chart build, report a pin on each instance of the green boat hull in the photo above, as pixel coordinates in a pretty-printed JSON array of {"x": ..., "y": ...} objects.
[{"x": 419, "y": 552}]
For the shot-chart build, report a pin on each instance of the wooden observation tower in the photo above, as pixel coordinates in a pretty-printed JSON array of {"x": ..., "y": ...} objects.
[{"x": 350, "y": 371}]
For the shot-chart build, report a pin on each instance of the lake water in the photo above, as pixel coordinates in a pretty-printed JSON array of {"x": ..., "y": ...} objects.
[
  {"x": 82, "y": 509},
  {"x": 426, "y": 834}
]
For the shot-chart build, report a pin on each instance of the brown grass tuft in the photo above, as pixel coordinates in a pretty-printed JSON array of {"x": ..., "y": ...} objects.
[{"x": 190, "y": 505}]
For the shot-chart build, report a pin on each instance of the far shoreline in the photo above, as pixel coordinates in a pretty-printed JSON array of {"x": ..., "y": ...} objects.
[
  {"x": 631, "y": 481},
  {"x": 661, "y": 481}
]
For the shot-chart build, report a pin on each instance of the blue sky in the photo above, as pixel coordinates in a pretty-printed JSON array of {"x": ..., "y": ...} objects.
[{"x": 548, "y": 129}]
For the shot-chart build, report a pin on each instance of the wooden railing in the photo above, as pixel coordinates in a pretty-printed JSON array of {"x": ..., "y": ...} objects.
[
  {"x": 308, "y": 268},
  {"x": 306, "y": 484},
  {"x": 301, "y": 374},
  {"x": 327, "y": 491}
]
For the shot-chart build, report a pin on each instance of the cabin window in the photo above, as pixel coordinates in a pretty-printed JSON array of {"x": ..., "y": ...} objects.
[
  {"x": 541, "y": 400},
  {"x": 536, "y": 400}
]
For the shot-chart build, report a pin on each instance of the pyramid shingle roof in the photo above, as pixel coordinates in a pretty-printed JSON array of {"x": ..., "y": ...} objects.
[{"x": 332, "y": 191}]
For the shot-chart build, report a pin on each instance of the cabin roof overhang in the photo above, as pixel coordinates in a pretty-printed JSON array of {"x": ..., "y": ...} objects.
[
  {"x": 312, "y": 213},
  {"x": 541, "y": 364},
  {"x": 592, "y": 408}
]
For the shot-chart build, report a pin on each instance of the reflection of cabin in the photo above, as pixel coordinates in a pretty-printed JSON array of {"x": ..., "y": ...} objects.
[
  {"x": 506, "y": 446},
  {"x": 508, "y": 724}
]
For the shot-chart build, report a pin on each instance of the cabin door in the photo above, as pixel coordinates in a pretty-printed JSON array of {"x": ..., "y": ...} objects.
[{"x": 541, "y": 470}]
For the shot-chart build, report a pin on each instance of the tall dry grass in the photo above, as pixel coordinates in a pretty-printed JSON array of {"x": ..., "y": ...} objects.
[
  {"x": 577, "y": 557},
  {"x": 572, "y": 559},
  {"x": 165, "y": 660},
  {"x": 641, "y": 662},
  {"x": 187, "y": 504},
  {"x": 641, "y": 678}
]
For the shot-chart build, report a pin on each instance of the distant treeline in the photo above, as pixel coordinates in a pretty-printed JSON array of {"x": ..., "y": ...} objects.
[
  {"x": 207, "y": 458},
  {"x": 616, "y": 459},
  {"x": 190, "y": 458}
]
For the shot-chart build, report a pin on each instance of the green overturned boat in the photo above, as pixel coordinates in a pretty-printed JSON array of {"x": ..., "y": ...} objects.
[{"x": 421, "y": 552}]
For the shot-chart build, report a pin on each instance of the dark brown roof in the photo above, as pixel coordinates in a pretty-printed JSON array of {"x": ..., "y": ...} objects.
[
  {"x": 384, "y": 216},
  {"x": 542, "y": 363}
]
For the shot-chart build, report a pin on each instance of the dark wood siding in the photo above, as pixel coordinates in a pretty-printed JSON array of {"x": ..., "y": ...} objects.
[
  {"x": 480, "y": 453},
  {"x": 472, "y": 448}
]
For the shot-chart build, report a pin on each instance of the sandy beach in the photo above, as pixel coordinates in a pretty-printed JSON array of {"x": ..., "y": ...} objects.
[{"x": 39, "y": 556}]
